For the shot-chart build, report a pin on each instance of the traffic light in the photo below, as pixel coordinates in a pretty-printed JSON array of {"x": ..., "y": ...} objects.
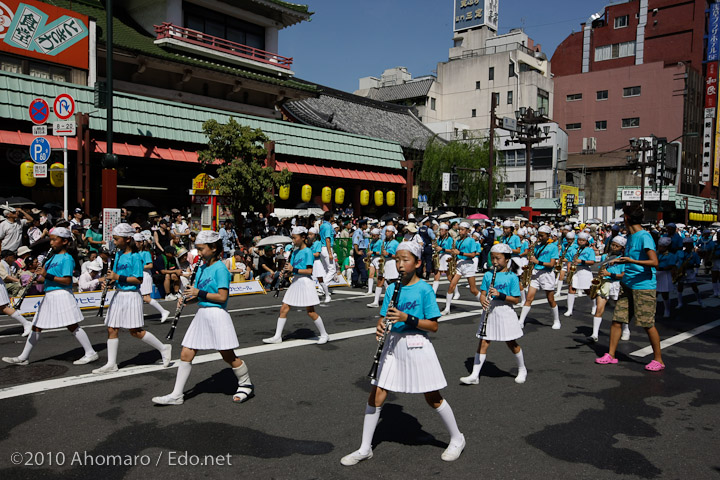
[
  {"x": 100, "y": 94},
  {"x": 109, "y": 160},
  {"x": 454, "y": 182}
]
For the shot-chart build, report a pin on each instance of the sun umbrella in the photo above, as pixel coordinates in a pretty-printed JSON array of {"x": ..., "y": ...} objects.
[
  {"x": 716, "y": 225},
  {"x": 52, "y": 206},
  {"x": 18, "y": 201},
  {"x": 617, "y": 220},
  {"x": 307, "y": 205},
  {"x": 138, "y": 203},
  {"x": 390, "y": 216},
  {"x": 478, "y": 216},
  {"x": 447, "y": 215},
  {"x": 274, "y": 240},
  {"x": 593, "y": 221}
]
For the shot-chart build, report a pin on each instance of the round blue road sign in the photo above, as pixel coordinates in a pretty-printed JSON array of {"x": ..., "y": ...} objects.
[{"x": 40, "y": 150}]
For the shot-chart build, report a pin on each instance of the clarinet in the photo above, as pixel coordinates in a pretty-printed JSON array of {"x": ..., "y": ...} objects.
[
  {"x": 181, "y": 305},
  {"x": 111, "y": 264},
  {"x": 285, "y": 275},
  {"x": 33, "y": 279},
  {"x": 381, "y": 341},
  {"x": 483, "y": 329}
]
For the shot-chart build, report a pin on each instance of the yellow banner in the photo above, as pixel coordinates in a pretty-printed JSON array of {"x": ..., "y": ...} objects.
[{"x": 569, "y": 197}]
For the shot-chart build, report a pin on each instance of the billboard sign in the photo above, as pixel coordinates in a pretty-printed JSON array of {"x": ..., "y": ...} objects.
[
  {"x": 569, "y": 199},
  {"x": 475, "y": 13},
  {"x": 713, "y": 42}
]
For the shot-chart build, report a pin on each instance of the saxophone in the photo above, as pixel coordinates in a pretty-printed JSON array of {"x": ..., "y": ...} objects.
[
  {"x": 452, "y": 263},
  {"x": 598, "y": 282},
  {"x": 381, "y": 262},
  {"x": 679, "y": 273},
  {"x": 435, "y": 256},
  {"x": 526, "y": 275},
  {"x": 368, "y": 257},
  {"x": 572, "y": 267},
  {"x": 558, "y": 266}
]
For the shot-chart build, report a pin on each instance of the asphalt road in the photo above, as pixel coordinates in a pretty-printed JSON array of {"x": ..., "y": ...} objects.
[{"x": 571, "y": 419}]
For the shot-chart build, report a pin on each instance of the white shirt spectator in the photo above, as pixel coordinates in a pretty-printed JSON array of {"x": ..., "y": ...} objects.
[
  {"x": 11, "y": 234},
  {"x": 86, "y": 283}
]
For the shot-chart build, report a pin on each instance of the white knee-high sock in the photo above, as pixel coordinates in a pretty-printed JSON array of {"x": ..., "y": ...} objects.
[
  {"x": 279, "y": 328},
  {"x": 520, "y": 358},
  {"x": 372, "y": 416},
  {"x": 325, "y": 288},
  {"x": 82, "y": 337},
  {"x": 154, "y": 303},
  {"x": 16, "y": 316},
  {"x": 597, "y": 321},
  {"x": 436, "y": 284},
  {"x": 378, "y": 291},
  {"x": 320, "y": 326},
  {"x": 571, "y": 301},
  {"x": 559, "y": 287},
  {"x": 448, "y": 301},
  {"x": 680, "y": 296},
  {"x": 446, "y": 414},
  {"x": 183, "y": 374},
  {"x": 153, "y": 341},
  {"x": 112, "y": 350},
  {"x": 523, "y": 314},
  {"x": 523, "y": 297},
  {"x": 477, "y": 364},
  {"x": 370, "y": 284},
  {"x": 594, "y": 301},
  {"x": 626, "y": 328},
  {"x": 32, "y": 340},
  {"x": 243, "y": 377},
  {"x": 556, "y": 314}
]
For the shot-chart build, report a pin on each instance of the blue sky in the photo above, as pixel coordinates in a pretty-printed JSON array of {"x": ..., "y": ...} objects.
[{"x": 349, "y": 39}]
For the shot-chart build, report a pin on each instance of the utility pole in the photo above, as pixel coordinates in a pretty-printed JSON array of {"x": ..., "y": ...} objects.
[
  {"x": 529, "y": 133},
  {"x": 491, "y": 151}
]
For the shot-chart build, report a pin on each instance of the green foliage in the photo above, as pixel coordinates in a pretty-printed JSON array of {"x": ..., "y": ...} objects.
[
  {"x": 440, "y": 157},
  {"x": 241, "y": 177}
]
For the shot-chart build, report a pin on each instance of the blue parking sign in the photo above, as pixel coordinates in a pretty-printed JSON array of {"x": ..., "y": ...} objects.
[{"x": 40, "y": 150}]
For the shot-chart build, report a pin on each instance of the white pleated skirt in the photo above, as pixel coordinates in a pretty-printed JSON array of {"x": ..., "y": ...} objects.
[
  {"x": 390, "y": 272},
  {"x": 4, "y": 297},
  {"x": 302, "y": 293},
  {"x": 211, "y": 329},
  {"x": 664, "y": 281},
  {"x": 466, "y": 268},
  {"x": 444, "y": 262},
  {"x": 147, "y": 284},
  {"x": 58, "y": 309},
  {"x": 409, "y": 370},
  {"x": 318, "y": 270},
  {"x": 125, "y": 310},
  {"x": 582, "y": 279},
  {"x": 503, "y": 324},
  {"x": 543, "y": 279},
  {"x": 690, "y": 276}
]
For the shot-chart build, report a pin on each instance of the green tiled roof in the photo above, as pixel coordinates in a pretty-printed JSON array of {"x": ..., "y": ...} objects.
[
  {"x": 126, "y": 37},
  {"x": 151, "y": 117},
  {"x": 292, "y": 6}
]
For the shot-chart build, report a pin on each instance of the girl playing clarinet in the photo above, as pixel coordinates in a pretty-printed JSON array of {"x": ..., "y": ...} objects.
[
  {"x": 500, "y": 290},
  {"x": 387, "y": 251},
  {"x": 611, "y": 276},
  {"x": 690, "y": 260},
  {"x": 302, "y": 290},
  {"x": 142, "y": 240},
  {"x": 408, "y": 363},
  {"x": 212, "y": 327},
  {"x": 126, "y": 307},
  {"x": 58, "y": 308}
]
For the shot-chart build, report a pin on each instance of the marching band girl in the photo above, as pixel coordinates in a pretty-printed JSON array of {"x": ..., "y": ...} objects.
[
  {"x": 212, "y": 327},
  {"x": 667, "y": 262},
  {"x": 125, "y": 310},
  {"x": 543, "y": 257},
  {"x": 58, "y": 308},
  {"x": 444, "y": 245},
  {"x": 302, "y": 290},
  {"x": 142, "y": 240},
  {"x": 611, "y": 275},
  {"x": 408, "y": 363},
  {"x": 466, "y": 251},
  {"x": 318, "y": 274},
  {"x": 582, "y": 279},
  {"x": 688, "y": 254},
  {"x": 500, "y": 322},
  {"x": 568, "y": 243},
  {"x": 374, "y": 248},
  {"x": 387, "y": 251}
]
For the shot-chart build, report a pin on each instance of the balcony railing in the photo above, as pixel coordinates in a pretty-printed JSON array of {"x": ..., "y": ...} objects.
[{"x": 220, "y": 45}]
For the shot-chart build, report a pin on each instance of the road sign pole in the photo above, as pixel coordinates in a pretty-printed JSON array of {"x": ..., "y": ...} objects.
[{"x": 65, "y": 178}]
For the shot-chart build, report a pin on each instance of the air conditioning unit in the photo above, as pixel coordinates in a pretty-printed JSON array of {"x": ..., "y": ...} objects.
[
  {"x": 589, "y": 144},
  {"x": 538, "y": 195}
]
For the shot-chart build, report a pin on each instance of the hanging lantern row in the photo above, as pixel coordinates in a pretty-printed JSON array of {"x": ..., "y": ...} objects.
[
  {"x": 27, "y": 177},
  {"x": 703, "y": 217},
  {"x": 327, "y": 196}
]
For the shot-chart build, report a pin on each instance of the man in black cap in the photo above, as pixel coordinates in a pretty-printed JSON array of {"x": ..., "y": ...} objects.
[
  {"x": 359, "y": 277},
  {"x": 427, "y": 235}
]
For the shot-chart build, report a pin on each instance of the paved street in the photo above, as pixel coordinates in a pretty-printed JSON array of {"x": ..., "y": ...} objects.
[{"x": 572, "y": 419}]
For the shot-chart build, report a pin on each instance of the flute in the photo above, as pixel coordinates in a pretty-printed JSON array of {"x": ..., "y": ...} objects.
[
  {"x": 381, "y": 341},
  {"x": 181, "y": 304},
  {"x": 483, "y": 329},
  {"x": 33, "y": 279},
  {"x": 111, "y": 264}
]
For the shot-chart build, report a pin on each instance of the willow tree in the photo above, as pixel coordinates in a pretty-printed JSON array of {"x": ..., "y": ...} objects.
[
  {"x": 440, "y": 157},
  {"x": 242, "y": 178}
]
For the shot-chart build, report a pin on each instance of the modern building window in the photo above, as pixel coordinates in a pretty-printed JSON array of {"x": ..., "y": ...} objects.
[
  {"x": 511, "y": 69},
  {"x": 573, "y": 126},
  {"x": 473, "y": 113},
  {"x": 602, "y": 94},
  {"x": 34, "y": 69},
  {"x": 542, "y": 158},
  {"x": 510, "y": 97},
  {"x": 616, "y": 50},
  {"x": 10, "y": 64},
  {"x": 223, "y": 26},
  {"x": 513, "y": 158},
  {"x": 432, "y": 103},
  {"x": 497, "y": 97},
  {"x": 543, "y": 100},
  {"x": 573, "y": 97},
  {"x": 601, "y": 125},
  {"x": 631, "y": 122},
  {"x": 477, "y": 85},
  {"x": 631, "y": 92},
  {"x": 621, "y": 22},
  {"x": 491, "y": 73}
]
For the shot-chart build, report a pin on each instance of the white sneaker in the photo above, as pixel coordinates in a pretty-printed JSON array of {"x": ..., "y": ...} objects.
[
  {"x": 470, "y": 380},
  {"x": 521, "y": 376},
  {"x": 373, "y": 305},
  {"x": 170, "y": 297},
  {"x": 164, "y": 316},
  {"x": 166, "y": 355},
  {"x": 272, "y": 340},
  {"x": 168, "y": 400},
  {"x": 27, "y": 330},
  {"x": 445, "y": 312},
  {"x": 556, "y": 326},
  {"x": 457, "y": 294},
  {"x": 106, "y": 369},
  {"x": 453, "y": 451},
  {"x": 15, "y": 361},
  {"x": 327, "y": 298},
  {"x": 568, "y": 313},
  {"x": 355, "y": 457},
  {"x": 86, "y": 359},
  {"x": 323, "y": 339},
  {"x": 592, "y": 338},
  {"x": 625, "y": 335}
]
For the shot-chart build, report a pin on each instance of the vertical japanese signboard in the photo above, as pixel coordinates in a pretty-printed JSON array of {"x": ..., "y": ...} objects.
[
  {"x": 713, "y": 45},
  {"x": 569, "y": 197},
  {"x": 711, "y": 84}
]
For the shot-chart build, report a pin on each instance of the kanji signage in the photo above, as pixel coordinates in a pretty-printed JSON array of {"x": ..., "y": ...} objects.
[
  {"x": 713, "y": 42},
  {"x": 711, "y": 85},
  {"x": 43, "y": 31},
  {"x": 475, "y": 13}
]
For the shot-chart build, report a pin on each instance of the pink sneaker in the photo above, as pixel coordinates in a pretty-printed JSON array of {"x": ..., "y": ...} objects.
[
  {"x": 606, "y": 359},
  {"x": 654, "y": 366}
]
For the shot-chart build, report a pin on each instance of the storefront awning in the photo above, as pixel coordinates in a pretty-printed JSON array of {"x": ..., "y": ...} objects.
[{"x": 346, "y": 173}]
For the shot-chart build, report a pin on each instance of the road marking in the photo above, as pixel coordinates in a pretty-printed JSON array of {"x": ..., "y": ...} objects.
[
  {"x": 53, "y": 384},
  {"x": 644, "y": 352}
]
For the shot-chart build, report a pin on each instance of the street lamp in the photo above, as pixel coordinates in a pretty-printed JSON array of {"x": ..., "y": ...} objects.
[
  {"x": 641, "y": 145},
  {"x": 529, "y": 133}
]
